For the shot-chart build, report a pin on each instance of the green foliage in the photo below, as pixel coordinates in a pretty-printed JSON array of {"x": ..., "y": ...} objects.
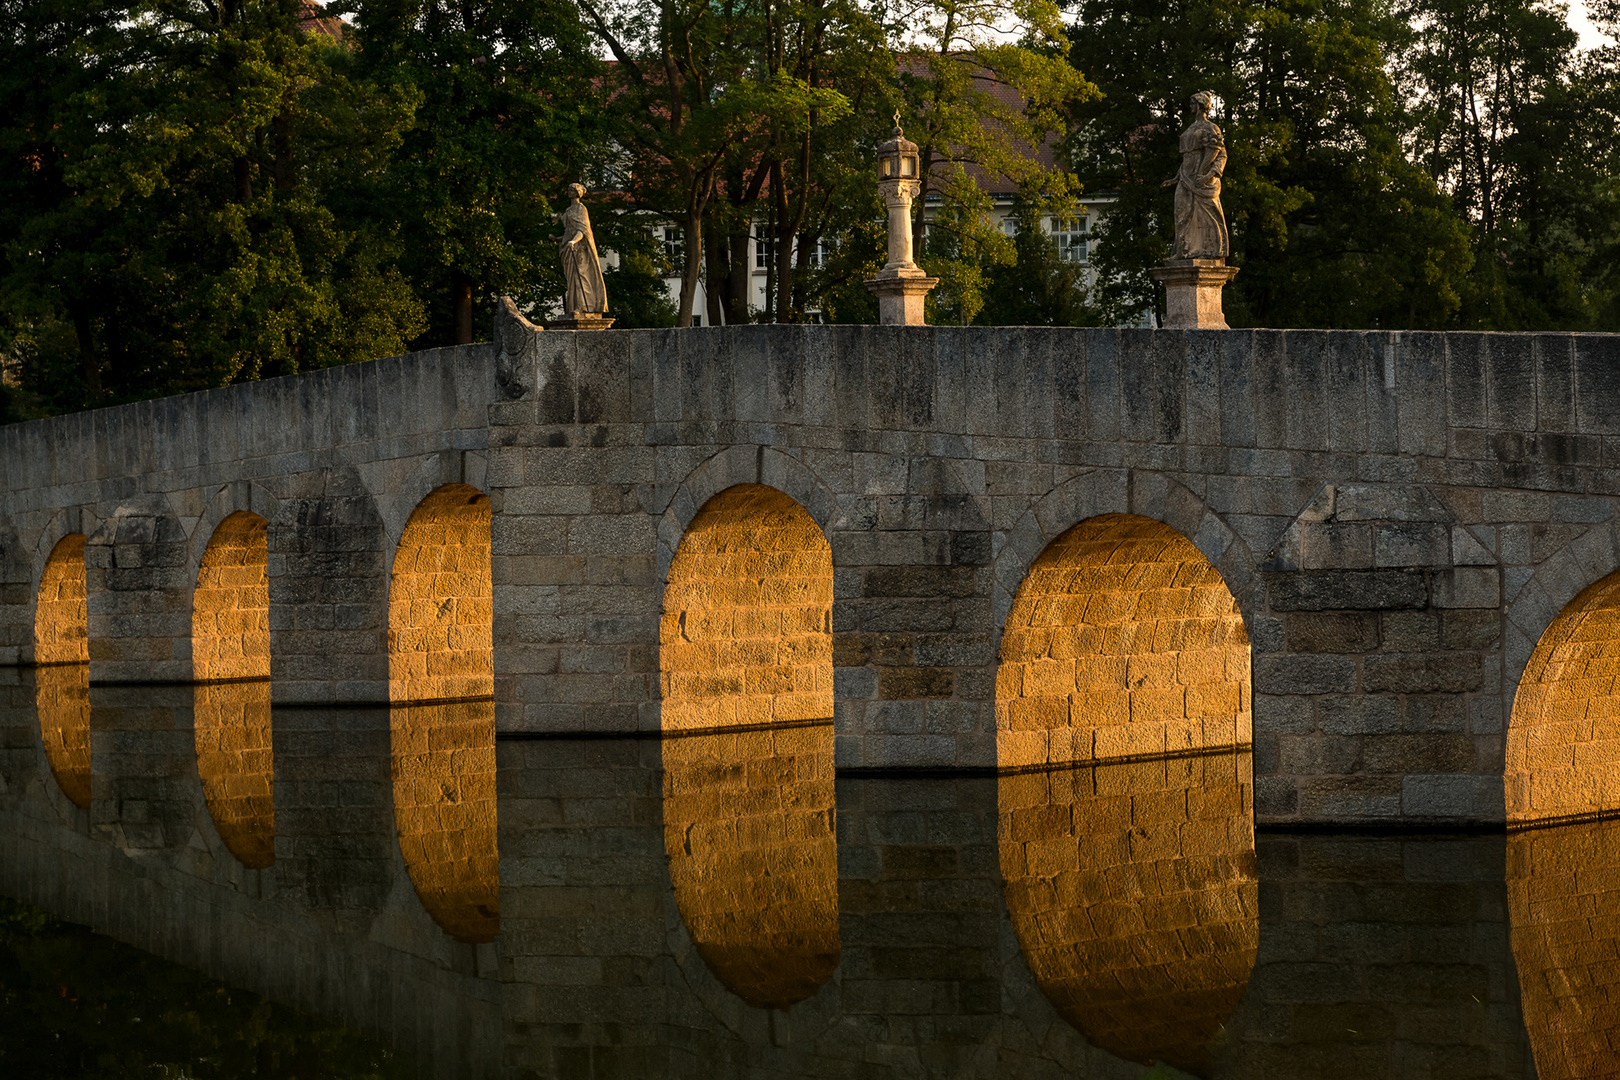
[
  {"x": 170, "y": 229},
  {"x": 1331, "y": 223},
  {"x": 505, "y": 118},
  {"x": 1521, "y": 131},
  {"x": 74, "y": 1004},
  {"x": 1038, "y": 287}
]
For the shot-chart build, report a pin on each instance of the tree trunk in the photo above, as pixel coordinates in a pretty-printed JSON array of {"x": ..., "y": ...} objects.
[
  {"x": 737, "y": 284},
  {"x": 716, "y": 276},
  {"x": 89, "y": 364},
  {"x": 281, "y": 142},
  {"x": 770, "y": 238},
  {"x": 461, "y": 303},
  {"x": 244, "y": 180},
  {"x": 694, "y": 260}
]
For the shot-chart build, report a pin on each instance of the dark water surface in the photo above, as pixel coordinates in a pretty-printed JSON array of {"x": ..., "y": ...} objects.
[{"x": 729, "y": 904}]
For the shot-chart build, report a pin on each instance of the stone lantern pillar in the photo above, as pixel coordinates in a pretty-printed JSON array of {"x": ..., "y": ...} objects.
[{"x": 901, "y": 284}]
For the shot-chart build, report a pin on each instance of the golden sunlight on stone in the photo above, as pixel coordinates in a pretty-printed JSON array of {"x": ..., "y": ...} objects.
[
  {"x": 1564, "y": 904},
  {"x": 444, "y": 807},
  {"x": 62, "y": 681},
  {"x": 1123, "y": 641},
  {"x": 1133, "y": 892},
  {"x": 230, "y": 656},
  {"x": 748, "y": 812},
  {"x": 1563, "y": 744},
  {"x": 60, "y": 619},
  {"x": 439, "y": 607},
  {"x": 441, "y": 676},
  {"x": 234, "y": 761},
  {"x": 62, "y": 696},
  {"x": 230, "y": 610}
]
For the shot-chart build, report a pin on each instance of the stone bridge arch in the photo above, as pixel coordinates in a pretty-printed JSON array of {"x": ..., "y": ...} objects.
[{"x": 1562, "y": 684}]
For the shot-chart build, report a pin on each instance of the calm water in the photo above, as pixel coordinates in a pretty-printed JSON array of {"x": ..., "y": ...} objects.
[{"x": 728, "y": 904}]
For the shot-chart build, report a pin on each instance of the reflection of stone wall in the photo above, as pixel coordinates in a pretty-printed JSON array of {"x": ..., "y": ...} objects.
[
  {"x": 745, "y": 635},
  {"x": 234, "y": 761},
  {"x": 1564, "y": 900},
  {"x": 444, "y": 806},
  {"x": 62, "y": 697},
  {"x": 1381, "y": 958},
  {"x": 1133, "y": 892},
  {"x": 1123, "y": 641},
  {"x": 59, "y": 620},
  {"x": 230, "y": 609},
  {"x": 439, "y": 628},
  {"x": 1563, "y": 753},
  {"x": 748, "y": 825}
]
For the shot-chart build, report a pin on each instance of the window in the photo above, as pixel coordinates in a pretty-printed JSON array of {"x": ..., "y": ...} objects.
[
  {"x": 764, "y": 251},
  {"x": 674, "y": 247},
  {"x": 1070, "y": 234},
  {"x": 820, "y": 253}
]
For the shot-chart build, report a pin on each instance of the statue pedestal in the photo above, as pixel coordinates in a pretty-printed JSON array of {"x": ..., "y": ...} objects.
[
  {"x": 1192, "y": 292},
  {"x": 900, "y": 296},
  {"x": 581, "y": 321}
]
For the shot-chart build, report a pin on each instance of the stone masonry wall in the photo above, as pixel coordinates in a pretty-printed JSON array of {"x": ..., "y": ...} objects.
[{"x": 1398, "y": 516}]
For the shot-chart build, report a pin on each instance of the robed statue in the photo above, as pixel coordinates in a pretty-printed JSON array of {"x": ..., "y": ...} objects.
[
  {"x": 587, "y": 292},
  {"x": 1200, "y": 223}
]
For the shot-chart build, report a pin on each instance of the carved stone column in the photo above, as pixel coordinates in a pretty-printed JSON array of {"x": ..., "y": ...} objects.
[
  {"x": 1192, "y": 292},
  {"x": 901, "y": 284}
]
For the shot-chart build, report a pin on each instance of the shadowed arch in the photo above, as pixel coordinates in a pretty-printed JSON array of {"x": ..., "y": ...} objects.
[
  {"x": 62, "y": 683},
  {"x": 745, "y": 661},
  {"x": 1126, "y": 799},
  {"x": 230, "y": 656},
  {"x": 441, "y": 679}
]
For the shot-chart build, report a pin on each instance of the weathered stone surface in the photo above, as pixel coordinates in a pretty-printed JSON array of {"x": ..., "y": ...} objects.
[{"x": 1396, "y": 516}]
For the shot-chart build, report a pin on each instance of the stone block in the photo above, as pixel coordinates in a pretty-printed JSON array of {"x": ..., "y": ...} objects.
[
  {"x": 1314, "y": 632},
  {"x": 1330, "y": 590},
  {"x": 1304, "y": 674},
  {"x": 1422, "y": 673},
  {"x": 1468, "y": 587}
]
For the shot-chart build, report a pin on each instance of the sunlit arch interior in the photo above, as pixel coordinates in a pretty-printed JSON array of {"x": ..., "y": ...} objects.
[
  {"x": 1126, "y": 799},
  {"x": 62, "y": 682},
  {"x": 441, "y": 680},
  {"x": 1122, "y": 641},
  {"x": 1563, "y": 740},
  {"x": 230, "y": 653},
  {"x": 745, "y": 659}
]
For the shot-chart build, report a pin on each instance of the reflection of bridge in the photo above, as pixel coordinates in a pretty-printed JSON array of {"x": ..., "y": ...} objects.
[{"x": 797, "y": 549}]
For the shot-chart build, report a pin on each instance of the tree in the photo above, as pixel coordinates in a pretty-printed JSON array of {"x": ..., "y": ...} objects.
[
  {"x": 1331, "y": 223},
  {"x": 1038, "y": 287},
  {"x": 507, "y": 117},
  {"x": 176, "y": 232},
  {"x": 1520, "y": 131}
]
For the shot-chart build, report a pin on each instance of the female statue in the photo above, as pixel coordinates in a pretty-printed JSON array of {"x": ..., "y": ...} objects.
[
  {"x": 587, "y": 292},
  {"x": 1200, "y": 223}
]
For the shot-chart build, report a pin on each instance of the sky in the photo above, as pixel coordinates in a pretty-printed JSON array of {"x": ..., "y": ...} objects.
[{"x": 1590, "y": 37}]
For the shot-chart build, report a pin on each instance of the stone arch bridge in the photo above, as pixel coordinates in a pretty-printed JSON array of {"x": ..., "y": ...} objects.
[{"x": 1415, "y": 533}]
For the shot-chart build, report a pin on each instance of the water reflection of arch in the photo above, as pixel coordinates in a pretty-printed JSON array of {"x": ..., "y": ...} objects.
[
  {"x": 1560, "y": 787},
  {"x": 230, "y": 654},
  {"x": 1564, "y": 905},
  {"x": 1126, "y": 818},
  {"x": 745, "y": 662},
  {"x": 441, "y": 683},
  {"x": 62, "y": 681}
]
